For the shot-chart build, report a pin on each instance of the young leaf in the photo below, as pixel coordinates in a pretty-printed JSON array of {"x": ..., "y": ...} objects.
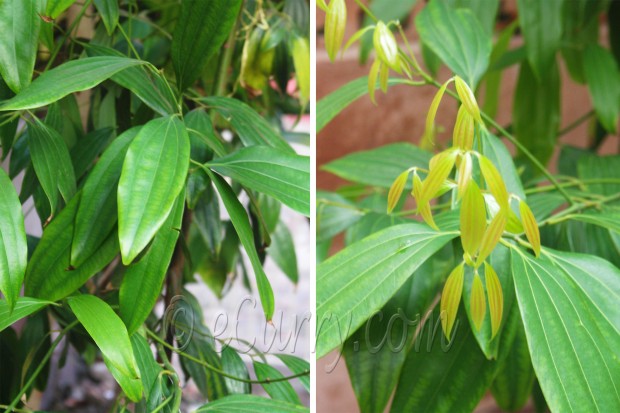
[
  {"x": 72, "y": 76},
  {"x": 372, "y": 79},
  {"x": 153, "y": 175},
  {"x": 451, "y": 298},
  {"x": 56, "y": 7},
  {"x": 429, "y": 128},
  {"x": 280, "y": 174},
  {"x": 201, "y": 30},
  {"x": 496, "y": 298},
  {"x": 495, "y": 182},
  {"x": 23, "y": 307},
  {"x": 491, "y": 236},
  {"x": 530, "y": 226},
  {"x": 13, "y": 245},
  {"x": 210, "y": 383},
  {"x": 19, "y": 25},
  {"x": 427, "y": 215},
  {"x": 396, "y": 190},
  {"x": 478, "y": 302},
  {"x": 386, "y": 47},
  {"x": 147, "y": 365},
  {"x": 463, "y": 135},
  {"x": 465, "y": 174},
  {"x": 239, "y": 218},
  {"x": 250, "y": 403},
  {"x": 335, "y": 24},
  {"x": 108, "y": 10},
  {"x": 467, "y": 98},
  {"x": 110, "y": 335},
  {"x": 301, "y": 61},
  {"x": 440, "y": 168},
  {"x": 473, "y": 218}
]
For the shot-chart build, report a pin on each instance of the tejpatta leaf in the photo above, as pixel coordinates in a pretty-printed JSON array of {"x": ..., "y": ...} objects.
[
  {"x": 396, "y": 190},
  {"x": 108, "y": 10},
  {"x": 440, "y": 168},
  {"x": 451, "y": 298},
  {"x": 201, "y": 30},
  {"x": 496, "y": 298},
  {"x": 234, "y": 365},
  {"x": 301, "y": 61},
  {"x": 249, "y": 403},
  {"x": 530, "y": 226},
  {"x": 23, "y": 307},
  {"x": 13, "y": 245},
  {"x": 602, "y": 74},
  {"x": 282, "y": 251},
  {"x": 473, "y": 217},
  {"x": 491, "y": 236},
  {"x": 335, "y": 24},
  {"x": 56, "y": 7},
  {"x": 372, "y": 79},
  {"x": 429, "y": 127},
  {"x": 466, "y": 95},
  {"x": 277, "y": 173},
  {"x": 463, "y": 134},
  {"x": 110, "y": 335},
  {"x": 297, "y": 366},
  {"x": 513, "y": 224},
  {"x": 494, "y": 181},
  {"x": 153, "y": 175},
  {"x": 280, "y": 390},
  {"x": 72, "y": 76},
  {"x": 52, "y": 163},
  {"x": 465, "y": 174},
  {"x": 478, "y": 304},
  {"x": 386, "y": 47}
]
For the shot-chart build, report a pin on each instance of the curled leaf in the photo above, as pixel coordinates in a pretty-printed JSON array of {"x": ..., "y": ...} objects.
[
  {"x": 477, "y": 303},
  {"x": 465, "y": 171},
  {"x": 494, "y": 181},
  {"x": 491, "y": 236},
  {"x": 473, "y": 219},
  {"x": 467, "y": 98},
  {"x": 530, "y": 226},
  {"x": 496, "y": 298},
  {"x": 386, "y": 47},
  {"x": 335, "y": 23},
  {"x": 463, "y": 135},
  {"x": 429, "y": 129},
  {"x": 441, "y": 165},
  {"x": 372, "y": 79},
  {"x": 450, "y": 299},
  {"x": 396, "y": 190}
]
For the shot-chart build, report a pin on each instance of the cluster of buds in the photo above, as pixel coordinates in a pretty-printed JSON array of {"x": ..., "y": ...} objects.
[{"x": 479, "y": 236}]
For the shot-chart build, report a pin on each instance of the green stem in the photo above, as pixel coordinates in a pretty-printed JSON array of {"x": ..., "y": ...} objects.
[
  {"x": 367, "y": 11},
  {"x": 576, "y": 207},
  {"x": 129, "y": 42},
  {"x": 583, "y": 182},
  {"x": 576, "y": 123}
]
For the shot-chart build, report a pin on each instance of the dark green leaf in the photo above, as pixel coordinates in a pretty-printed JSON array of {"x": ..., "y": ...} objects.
[
  {"x": 211, "y": 384},
  {"x": 108, "y": 10},
  {"x": 153, "y": 175},
  {"x": 233, "y": 364},
  {"x": 34, "y": 343},
  {"x": 72, "y": 76},
  {"x": 280, "y": 390},
  {"x": 249, "y": 403},
  {"x": 87, "y": 150},
  {"x": 279, "y": 174},
  {"x": 23, "y": 308},
  {"x": 200, "y": 32},
  {"x": 297, "y": 366},
  {"x": 603, "y": 77},
  {"x": 147, "y": 365},
  {"x": 457, "y": 38},
  {"x": 282, "y": 251}
]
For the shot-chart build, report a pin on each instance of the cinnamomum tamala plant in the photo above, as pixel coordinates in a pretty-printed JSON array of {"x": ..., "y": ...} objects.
[
  {"x": 510, "y": 282},
  {"x": 113, "y": 112}
]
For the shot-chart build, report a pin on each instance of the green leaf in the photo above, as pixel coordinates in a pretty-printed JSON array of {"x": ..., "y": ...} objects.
[
  {"x": 605, "y": 219},
  {"x": 386, "y": 163},
  {"x": 251, "y": 127},
  {"x": 88, "y": 149},
  {"x": 97, "y": 213},
  {"x": 19, "y": 25},
  {"x": 334, "y": 103},
  {"x": 250, "y": 403},
  {"x": 233, "y": 364},
  {"x": 536, "y": 111},
  {"x": 457, "y": 38},
  {"x": 364, "y": 276},
  {"x": 485, "y": 11},
  {"x": 147, "y": 84},
  {"x": 280, "y": 174},
  {"x": 334, "y": 214},
  {"x": 603, "y": 77},
  {"x": 143, "y": 280},
  {"x": 110, "y": 335},
  {"x": 108, "y": 10},
  {"x": 297, "y": 366},
  {"x": 600, "y": 167},
  {"x": 56, "y": 7},
  {"x": 72, "y": 76},
  {"x": 52, "y": 163},
  {"x": 153, "y": 175},
  {"x": 282, "y": 251},
  {"x": 49, "y": 274},
  {"x": 23, "y": 307},
  {"x": 542, "y": 33},
  {"x": 13, "y": 245},
  {"x": 497, "y": 152},
  {"x": 241, "y": 222},
  {"x": 147, "y": 365},
  {"x": 279, "y": 390},
  {"x": 201, "y": 30},
  {"x": 571, "y": 339},
  {"x": 211, "y": 384},
  {"x": 203, "y": 136}
]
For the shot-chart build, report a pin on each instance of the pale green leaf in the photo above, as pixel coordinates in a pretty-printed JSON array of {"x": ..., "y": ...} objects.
[
  {"x": 280, "y": 390},
  {"x": 603, "y": 77},
  {"x": 250, "y": 403},
  {"x": 23, "y": 307}
]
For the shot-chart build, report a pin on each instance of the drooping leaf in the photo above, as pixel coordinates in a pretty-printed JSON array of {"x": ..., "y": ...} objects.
[
  {"x": 603, "y": 77},
  {"x": 279, "y": 390},
  {"x": 19, "y": 25},
  {"x": 530, "y": 226},
  {"x": 492, "y": 236},
  {"x": 396, "y": 190},
  {"x": 456, "y": 37},
  {"x": 478, "y": 304},
  {"x": 200, "y": 32},
  {"x": 234, "y": 365},
  {"x": 494, "y": 150},
  {"x": 372, "y": 270},
  {"x": 451, "y": 299},
  {"x": 72, "y": 76},
  {"x": 473, "y": 219},
  {"x": 468, "y": 100},
  {"x": 279, "y": 174},
  {"x": 210, "y": 383},
  {"x": 297, "y": 366},
  {"x": 153, "y": 175},
  {"x": 495, "y": 297},
  {"x": 23, "y": 307},
  {"x": 110, "y": 335},
  {"x": 56, "y": 7},
  {"x": 13, "y": 245},
  {"x": 282, "y": 251},
  {"x": 251, "y": 403},
  {"x": 335, "y": 25},
  {"x": 147, "y": 365}
]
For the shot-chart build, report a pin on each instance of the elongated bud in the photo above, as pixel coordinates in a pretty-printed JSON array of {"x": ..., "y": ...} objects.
[
  {"x": 530, "y": 226},
  {"x": 473, "y": 219},
  {"x": 429, "y": 130},
  {"x": 513, "y": 225},
  {"x": 335, "y": 24},
  {"x": 450, "y": 299},
  {"x": 301, "y": 61},
  {"x": 386, "y": 47},
  {"x": 491, "y": 236},
  {"x": 494, "y": 181},
  {"x": 465, "y": 170},
  {"x": 467, "y": 98},
  {"x": 477, "y": 302},
  {"x": 496, "y": 298},
  {"x": 396, "y": 190},
  {"x": 463, "y": 135},
  {"x": 372, "y": 79},
  {"x": 440, "y": 165}
]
